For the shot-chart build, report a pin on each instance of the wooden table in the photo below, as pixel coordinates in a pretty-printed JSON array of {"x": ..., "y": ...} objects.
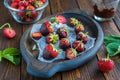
[{"x": 88, "y": 71}]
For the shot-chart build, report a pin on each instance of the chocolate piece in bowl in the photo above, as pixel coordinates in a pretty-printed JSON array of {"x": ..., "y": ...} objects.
[
  {"x": 46, "y": 28},
  {"x": 36, "y": 35}
]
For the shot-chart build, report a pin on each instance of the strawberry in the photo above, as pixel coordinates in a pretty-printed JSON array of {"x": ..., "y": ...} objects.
[
  {"x": 23, "y": 3},
  {"x": 16, "y": 1},
  {"x": 36, "y": 35},
  {"x": 64, "y": 43},
  {"x": 30, "y": 7},
  {"x": 71, "y": 53},
  {"x": 14, "y": 5},
  {"x": 59, "y": 19},
  {"x": 82, "y": 36},
  {"x": 79, "y": 46},
  {"x": 73, "y": 22},
  {"x": 27, "y": 19},
  {"x": 52, "y": 38},
  {"x": 9, "y": 33},
  {"x": 43, "y": 1},
  {"x": 38, "y": 3},
  {"x": 46, "y": 28},
  {"x": 79, "y": 27},
  {"x": 62, "y": 32},
  {"x": 50, "y": 52},
  {"x": 105, "y": 65}
]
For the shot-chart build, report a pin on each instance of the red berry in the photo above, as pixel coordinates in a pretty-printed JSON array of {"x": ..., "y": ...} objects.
[
  {"x": 79, "y": 46},
  {"x": 9, "y": 33},
  {"x": 43, "y": 1},
  {"x": 48, "y": 25},
  {"x": 105, "y": 65},
  {"x": 21, "y": 7},
  {"x": 23, "y": 3},
  {"x": 14, "y": 5},
  {"x": 16, "y": 1},
  {"x": 30, "y": 7},
  {"x": 34, "y": 14},
  {"x": 60, "y": 19},
  {"x": 36, "y": 35},
  {"x": 71, "y": 53},
  {"x": 27, "y": 19}
]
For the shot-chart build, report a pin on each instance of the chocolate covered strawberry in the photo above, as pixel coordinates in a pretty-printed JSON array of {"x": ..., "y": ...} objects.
[
  {"x": 79, "y": 27},
  {"x": 71, "y": 53},
  {"x": 79, "y": 46},
  {"x": 105, "y": 65},
  {"x": 58, "y": 19},
  {"x": 73, "y": 22},
  {"x": 82, "y": 36},
  {"x": 62, "y": 32},
  {"x": 64, "y": 43},
  {"x": 50, "y": 52},
  {"x": 52, "y": 38},
  {"x": 46, "y": 28},
  {"x": 36, "y": 35}
]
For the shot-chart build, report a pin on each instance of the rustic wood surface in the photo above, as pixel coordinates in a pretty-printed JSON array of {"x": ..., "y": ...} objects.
[{"x": 88, "y": 71}]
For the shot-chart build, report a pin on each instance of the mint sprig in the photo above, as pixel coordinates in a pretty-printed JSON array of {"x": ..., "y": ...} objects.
[
  {"x": 112, "y": 43},
  {"x": 10, "y": 54}
]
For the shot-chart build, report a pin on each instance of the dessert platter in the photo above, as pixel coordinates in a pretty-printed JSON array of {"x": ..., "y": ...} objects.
[{"x": 60, "y": 42}]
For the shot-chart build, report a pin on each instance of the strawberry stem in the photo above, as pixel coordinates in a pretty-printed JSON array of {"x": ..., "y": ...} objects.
[
  {"x": 6, "y": 24},
  {"x": 108, "y": 56}
]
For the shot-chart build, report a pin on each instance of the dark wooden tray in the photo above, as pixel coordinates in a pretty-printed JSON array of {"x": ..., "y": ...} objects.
[{"x": 42, "y": 69}]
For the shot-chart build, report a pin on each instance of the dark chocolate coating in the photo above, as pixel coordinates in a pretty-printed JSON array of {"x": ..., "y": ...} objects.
[
  {"x": 47, "y": 55},
  {"x": 44, "y": 30},
  {"x": 64, "y": 46}
]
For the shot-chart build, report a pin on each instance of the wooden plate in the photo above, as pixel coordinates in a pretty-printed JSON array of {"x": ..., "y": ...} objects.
[{"x": 42, "y": 69}]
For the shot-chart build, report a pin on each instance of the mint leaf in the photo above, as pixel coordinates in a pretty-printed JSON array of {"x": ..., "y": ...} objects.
[
  {"x": 111, "y": 39},
  {"x": 12, "y": 59},
  {"x": 113, "y": 49},
  {"x": 0, "y": 55},
  {"x": 11, "y": 51}
]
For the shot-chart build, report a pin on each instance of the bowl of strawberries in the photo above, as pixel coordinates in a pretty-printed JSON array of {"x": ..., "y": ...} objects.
[{"x": 26, "y": 11}]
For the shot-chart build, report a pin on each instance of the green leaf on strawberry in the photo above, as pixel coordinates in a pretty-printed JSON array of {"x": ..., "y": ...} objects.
[
  {"x": 54, "y": 37},
  {"x": 0, "y": 55}
]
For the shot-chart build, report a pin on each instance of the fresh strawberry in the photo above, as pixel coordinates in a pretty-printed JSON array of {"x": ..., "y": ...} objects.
[
  {"x": 36, "y": 35},
  {"x": 34, "y": 14},
  {"x": 21, "y": 7},
  {"x": 30, "y": 7},
  {"x": 43, "y": 1},
  {"x": 46, "y": 28},
  {"x": 79, "y": 27},
  {"x": 105, "y": 65},
  {"x": 14, "y": 5},
  {"x": 37, "y": 3},
  {"x": 82, "y": 36},
  {"x": 62, "y": 32},
  {"x": 27, "y": 19},
  {"x": 59, "y": 19},
  {"x": 64, "y": 43},
  {"x": 79, "y": 46},
  {"x": 23, "y": 3},
  {"x": 52, "y": 38},
  {"x": 50, "y": 52},
  {"x": 71, "y": 53},
  {"x": 9, "y": 33},
  {"x": 16, "y": 1},
  {"x": 73, "y": 22}
]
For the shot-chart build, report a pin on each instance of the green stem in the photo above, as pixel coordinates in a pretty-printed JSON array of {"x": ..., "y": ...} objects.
[
  {"x": 108, "y": 56},
  {"x": 5, "y": 25}
]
